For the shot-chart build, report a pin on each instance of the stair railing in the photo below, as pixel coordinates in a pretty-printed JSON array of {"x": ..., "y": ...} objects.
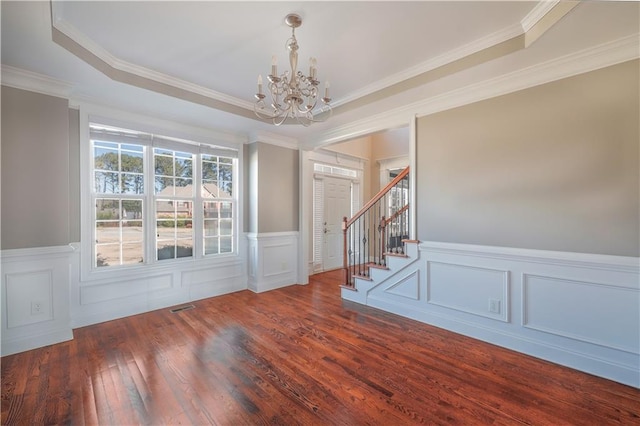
[{"x": 376, "y": 230}]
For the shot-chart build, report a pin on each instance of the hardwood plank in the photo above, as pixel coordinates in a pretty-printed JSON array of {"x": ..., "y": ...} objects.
[{"x": 298, "y": 355}]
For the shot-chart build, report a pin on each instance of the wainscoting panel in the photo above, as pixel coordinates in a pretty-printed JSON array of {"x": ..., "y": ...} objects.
[
  {"x": 478, "y": 291},
  {"x": 574, "y": 309},
  {"x": 35, "y": 298},
  {"x": 123, "y": 289},
  {"x": 273, "y": 260},
  {"x": 158, "y": 287},
  {"x": 29, "y": 297},
  {"x": 598, "y": 313}
]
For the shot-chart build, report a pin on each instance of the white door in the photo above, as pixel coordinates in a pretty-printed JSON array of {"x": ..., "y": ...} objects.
[{"x": 337, "y": 204}]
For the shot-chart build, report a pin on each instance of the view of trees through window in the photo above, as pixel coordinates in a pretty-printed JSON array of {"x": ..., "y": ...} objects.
[{"x": 176, "y": 201}]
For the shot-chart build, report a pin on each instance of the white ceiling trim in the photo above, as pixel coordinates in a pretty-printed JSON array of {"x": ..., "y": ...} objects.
[
  {"x": 34, "y": 82},
  {"x": 601, "y": 56},
  {"x": 436, "y": 62},
  {"x": 120, "y": 65},
  {"x": 537, "y": 13}
]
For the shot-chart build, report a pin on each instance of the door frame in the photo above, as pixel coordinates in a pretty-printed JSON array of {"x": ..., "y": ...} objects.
[{"x": 332, "y": 160}]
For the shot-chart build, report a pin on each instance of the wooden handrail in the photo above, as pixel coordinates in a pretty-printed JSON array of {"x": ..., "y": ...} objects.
[
  {"x": 396, "y": 214},
  {"x": 378, "y": 196}
]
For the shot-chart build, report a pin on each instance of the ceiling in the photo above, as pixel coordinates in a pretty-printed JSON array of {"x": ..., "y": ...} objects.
[{"x": 197, "y": 62}]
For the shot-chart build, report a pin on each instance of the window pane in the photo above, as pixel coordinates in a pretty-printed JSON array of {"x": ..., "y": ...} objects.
[
  {"x": 226, "y": 244},
  {"x": 107, "y": 182},
  {"x": 211, "y": 246},
  {"x": 166, "y": 230},
  {"x": 184, "y": 230},
  {"x": 132, "y": 183},
  {"x": 164, "y": 186},
  {"x": 131, "y": 162},
  {"x": 184, "y": 167},
  {"x": 131, "y": 209},
  {"x": 166, "y": 250},
  {"x": 108, "y": 232},
  {"x": 209, "y": 170},
  {"x": 211, "y": 228},
  {"x": 163, "y": 165},
  {"x": 107, "y": 254},
  {"x": 132, "y": 253},
  {"x": 105, "y": 159},
  {"x": 225, "y": 172},
  {"x": 225, "y": 189},
  {"x": 184, "y": 248},
  {"x": 107, "y": 209},
  {"x": 226, "y": 227},
  {"x": 132, "y": 231},
  {"x": 210, "y": 210},
  {"x": 209, "y": 189},
  {"x": 226, "y": 210}
]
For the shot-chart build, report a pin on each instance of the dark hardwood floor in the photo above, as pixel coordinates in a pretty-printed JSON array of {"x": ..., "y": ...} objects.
[{"x": 298, "y": 355}]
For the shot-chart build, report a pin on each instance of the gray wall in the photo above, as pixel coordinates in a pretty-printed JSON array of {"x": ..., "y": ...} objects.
[
  {"x": 273, "y": 188},
  {"x": 35, "y": 170},
  {"x": 553, "y": 167}
]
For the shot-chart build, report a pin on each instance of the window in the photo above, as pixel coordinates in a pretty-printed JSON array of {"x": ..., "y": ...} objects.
[
  {"x": 158, "y": 199},
  {"x": 217, "y": 192}
]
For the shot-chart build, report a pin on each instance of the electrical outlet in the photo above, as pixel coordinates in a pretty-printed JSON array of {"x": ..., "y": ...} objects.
[
  {"x": 36, "y": 308},
  {"x": 494, "y": 306}
]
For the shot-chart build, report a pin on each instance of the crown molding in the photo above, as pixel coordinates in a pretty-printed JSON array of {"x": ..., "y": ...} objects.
[
  {"x": 436, "y": 62},
  {"x": 34, "y": 82},
  {"x": 541, "y": 9},
  {"x": 537, "y": 13},
  {"x": 123, "y": 69},
  {"x": 600, "y": 56},
  {"x": 273, "y": 139}
]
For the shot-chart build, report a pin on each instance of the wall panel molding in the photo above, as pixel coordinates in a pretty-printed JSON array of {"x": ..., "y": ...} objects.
[
  {"x": 547, "y": 299},
  {"x": 272, "y": 260},
  {"x": 35, "y": 298}
]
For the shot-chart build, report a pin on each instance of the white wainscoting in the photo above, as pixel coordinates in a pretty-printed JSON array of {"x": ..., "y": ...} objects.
[
  {"x": 578, "y": 310},
  {"x": 35, "y": 298},
  {"x": 273, "y": 260},
  {"x": 148, "y": 289}
]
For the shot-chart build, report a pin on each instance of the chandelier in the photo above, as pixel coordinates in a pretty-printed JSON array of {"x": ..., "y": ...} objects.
[{"x": 293, "y": 94}]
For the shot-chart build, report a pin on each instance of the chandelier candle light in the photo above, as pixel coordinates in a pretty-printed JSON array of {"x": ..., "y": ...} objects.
[{"x": 293, "y": 95}]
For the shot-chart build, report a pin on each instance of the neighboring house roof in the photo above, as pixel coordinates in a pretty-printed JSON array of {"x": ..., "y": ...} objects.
[{"x": 209, "y": 190}]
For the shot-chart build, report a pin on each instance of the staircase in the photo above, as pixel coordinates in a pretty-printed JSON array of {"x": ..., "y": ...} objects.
[{"x": 376, "y": 239}]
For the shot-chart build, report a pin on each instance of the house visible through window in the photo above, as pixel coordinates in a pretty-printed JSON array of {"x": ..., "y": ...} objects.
[{"x": 157, "y": 198}]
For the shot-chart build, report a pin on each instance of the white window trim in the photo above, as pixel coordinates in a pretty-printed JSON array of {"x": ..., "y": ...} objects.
[{"x": 204, "y": 140}]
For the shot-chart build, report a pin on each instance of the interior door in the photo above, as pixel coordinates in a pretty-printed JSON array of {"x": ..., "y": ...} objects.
[{"x": 337, "y": 204}]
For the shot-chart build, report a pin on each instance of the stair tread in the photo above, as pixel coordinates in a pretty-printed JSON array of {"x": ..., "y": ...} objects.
[
  {"x": 376, "y": 266},
  {"x": 362, "y": 277},
  {"x": 396, "y": 254}
]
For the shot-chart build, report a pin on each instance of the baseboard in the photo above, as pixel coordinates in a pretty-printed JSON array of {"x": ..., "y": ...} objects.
[{"x": 12, "y": 346}]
